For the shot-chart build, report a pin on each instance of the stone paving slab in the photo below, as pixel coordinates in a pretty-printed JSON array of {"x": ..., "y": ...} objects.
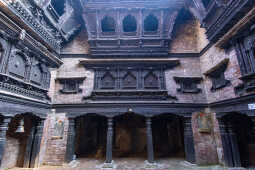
[{"x": 132, "y": 164}]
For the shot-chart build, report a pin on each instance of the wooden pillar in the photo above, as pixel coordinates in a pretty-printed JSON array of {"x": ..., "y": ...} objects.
[
  {"x": 109, "y": 140},
  {"x": 3, "y": 130},
  {"x": 70, "y": 148},
  {"x": 150, "y": 151},
  {"x": 34, "y": 162},
  {"x": 189, "y": 141}
]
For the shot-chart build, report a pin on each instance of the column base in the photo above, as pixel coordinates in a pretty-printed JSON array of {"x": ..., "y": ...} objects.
[
  {"x": 150, "y": 165},
  {"x": 109, "y": 165}
]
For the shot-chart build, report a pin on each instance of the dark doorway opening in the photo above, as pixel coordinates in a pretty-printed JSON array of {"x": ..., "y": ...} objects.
[
  {"x": 168, "y": 136},
  {"x": 91, "y": 132},
  {"x": 241, "y": 128},
  {"x": 130, "y": 138}
]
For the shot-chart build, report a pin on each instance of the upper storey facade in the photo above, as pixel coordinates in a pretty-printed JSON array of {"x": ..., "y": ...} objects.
[{"x": 124, "y": 27}]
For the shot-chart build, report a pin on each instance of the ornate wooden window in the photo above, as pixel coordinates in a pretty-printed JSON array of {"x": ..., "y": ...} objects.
[
  {"x": 188, "y": 84},
  {"x": 108, "y": 24},
  {"x": 18, "y": 64},
  {"x": 245, "y": 48},
  {"x": 217, "y": 76},
  {"x": 151, "y": 23},
  {"x": 151, "y": 80},
  {"x": 71, "y": 85},
  {"x": 130, "y": 80},
  {"x": 108, "y": 81},
  {"x": 129, "y": 24}
]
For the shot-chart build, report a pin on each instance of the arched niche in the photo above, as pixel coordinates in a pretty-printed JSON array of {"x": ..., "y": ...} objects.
[
  {"x": 129, "y": 24},
  {"x": 151, "y": 23},
  {"x": 108, "y": 24}
]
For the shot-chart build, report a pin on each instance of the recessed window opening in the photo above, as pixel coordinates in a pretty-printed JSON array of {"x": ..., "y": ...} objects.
[
  {"x": 129, "y": 24},
  {"x": 108, "y": 24},
  {"x": 206, "y": 3},
  {"x": 59, "y": 6},
  {"x": 151, "y": 23}
]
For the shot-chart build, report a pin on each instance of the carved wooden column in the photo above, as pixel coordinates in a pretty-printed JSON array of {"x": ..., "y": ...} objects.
[
  {"x": 3, "y": 130},
  {"x": 70, "y": 147},
  {"x": 109, "y": 141},
  {"x": 189, "y": 141},
  {"x": 234, "y": 146},
  {"x": 34, "y": 162},
  {"x": 150, "y": 151},
  {"x": 227, "y": 152}
]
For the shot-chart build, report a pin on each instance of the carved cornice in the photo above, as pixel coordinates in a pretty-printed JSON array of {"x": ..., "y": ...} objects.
[
  {"x": 145, "y": 109},
  {"x": 19, "y": 87},
  {"x": 36, "y": 21},
  {"x": 159, "y": 62},
  {"x": 228, "y": 15},
  {"x": 130, "y": 95},
  {"x": 11, "y": 31}
]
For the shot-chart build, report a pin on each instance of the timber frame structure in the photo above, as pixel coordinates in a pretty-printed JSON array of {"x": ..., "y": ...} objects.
[{"x": 131, "y": 62}]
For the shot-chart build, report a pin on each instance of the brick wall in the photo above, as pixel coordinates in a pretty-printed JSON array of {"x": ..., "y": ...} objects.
[
  {"x": 207, "y": 145},
  {"x": 12, "y": 146},
  {"x": 79, "y": 45},
  {"x": 189, "y": 38},
  {"x": 210, "y": 59},
  {"x": 189, "y": 67},
  {"x": 55, "y": 148},
  {"x": 71, "y": 68}
]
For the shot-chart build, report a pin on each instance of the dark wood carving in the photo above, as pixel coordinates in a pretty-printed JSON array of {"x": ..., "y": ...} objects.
[
  {"x": 142, "y": 30},
  {"x": 245, "y": 49},
  {"x": 71, "y": 85},
  {"x": 219, "y": 16},
  {"x": 22, "y": 88},
  {"x": 188, "y": 84},
  {"x": 18, "y": 64},
  {"x": 217, "y": 76},
  {"x": 130, "y": 80}
]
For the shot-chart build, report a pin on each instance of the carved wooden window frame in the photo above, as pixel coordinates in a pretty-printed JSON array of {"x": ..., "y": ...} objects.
[
  {"x": 66, "y": 82},
  {"x": 217, "y": 75},
  {"x": 188, "y": 84}
]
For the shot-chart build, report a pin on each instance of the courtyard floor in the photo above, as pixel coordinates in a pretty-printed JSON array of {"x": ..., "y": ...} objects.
[{"x": 132, "y": 164}]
